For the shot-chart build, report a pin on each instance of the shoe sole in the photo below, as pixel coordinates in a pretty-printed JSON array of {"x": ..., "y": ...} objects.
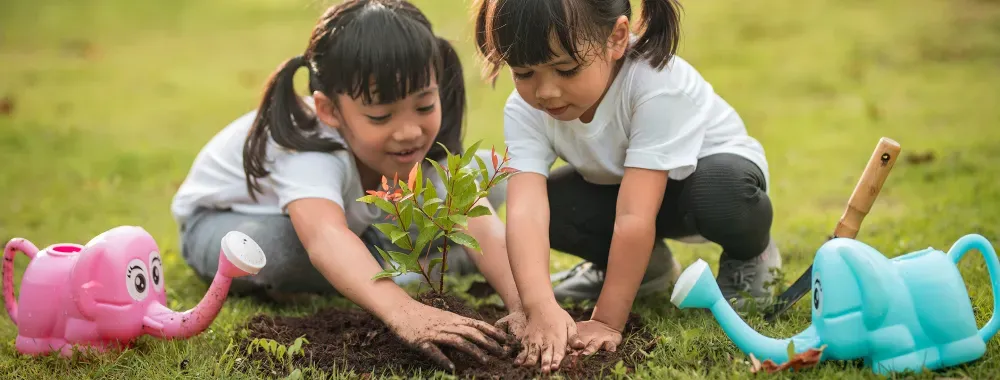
[{"x": 655, "y": 285}]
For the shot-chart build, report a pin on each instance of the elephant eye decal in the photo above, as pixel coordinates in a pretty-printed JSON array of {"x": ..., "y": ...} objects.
[
  {"x": 817, "y": 296},
  {"x": 137, "y": 279},
  {"x": 156, "y": 270}
]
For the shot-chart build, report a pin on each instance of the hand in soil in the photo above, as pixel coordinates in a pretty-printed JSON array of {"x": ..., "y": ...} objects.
[
  {"x": 546, "y": 337},
  {"x": 426, "y": 327},
  {"x": 514, "y": 323},
  {"x": 595, "y": 335}
]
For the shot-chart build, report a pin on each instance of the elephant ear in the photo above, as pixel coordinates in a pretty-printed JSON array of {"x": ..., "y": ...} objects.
[
  {"x": 84, "y": 280},
  {"x": 875, "y": 296}
]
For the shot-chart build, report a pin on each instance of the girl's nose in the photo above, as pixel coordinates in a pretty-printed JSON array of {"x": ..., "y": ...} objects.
[
  {"x": 547, "y": 90},
  {"x": 408, "y": 131}
]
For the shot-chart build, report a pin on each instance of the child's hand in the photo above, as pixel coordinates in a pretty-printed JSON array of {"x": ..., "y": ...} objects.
[
  {"x": 514, "y": 323},
  {"x": 595, "y": 335},
  {"x": 548, "y": 331},
  {"x": 426, "y": 328}
]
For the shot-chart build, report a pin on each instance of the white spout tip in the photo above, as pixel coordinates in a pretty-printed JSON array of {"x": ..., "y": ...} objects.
[
  {"x": 243, "y": 252},
  {"x": 687, "y": 281}
]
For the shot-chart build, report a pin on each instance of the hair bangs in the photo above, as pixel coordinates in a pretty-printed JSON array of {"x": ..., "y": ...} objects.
[
  {"x": 528, "y": 32},
  {"x": 381, "y": 57}
]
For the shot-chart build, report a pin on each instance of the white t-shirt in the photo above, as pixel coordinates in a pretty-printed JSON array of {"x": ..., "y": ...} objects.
[
  {"x": 217, "y": 179},
  {"x": 660, "y": 120}
]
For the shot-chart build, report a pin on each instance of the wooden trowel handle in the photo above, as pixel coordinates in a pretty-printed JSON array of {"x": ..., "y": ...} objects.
[{"x": 867, "y": 188}]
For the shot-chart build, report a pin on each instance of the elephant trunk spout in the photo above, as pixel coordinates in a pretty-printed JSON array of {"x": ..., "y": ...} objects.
[
  {"x": 697, "y": 288},
  {"x": 162, "y": 322},
  {"x": 240, "y": 256}
]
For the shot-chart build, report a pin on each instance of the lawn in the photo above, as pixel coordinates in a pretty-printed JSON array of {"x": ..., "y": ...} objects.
[{"x": 103, "y": 105}]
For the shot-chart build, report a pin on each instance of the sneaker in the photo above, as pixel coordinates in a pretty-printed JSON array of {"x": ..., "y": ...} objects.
[
  {"x": 584, "y": 281},
  {"x": 738, "y": 278}
]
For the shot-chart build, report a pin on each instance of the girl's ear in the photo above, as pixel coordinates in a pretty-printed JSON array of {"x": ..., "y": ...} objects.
[
  {"x": 326, "y": 110},
  {"x": 619, "y": 38}
]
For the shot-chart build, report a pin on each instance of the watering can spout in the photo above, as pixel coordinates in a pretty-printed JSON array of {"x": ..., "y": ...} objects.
[{"x": 697, "y": 288}]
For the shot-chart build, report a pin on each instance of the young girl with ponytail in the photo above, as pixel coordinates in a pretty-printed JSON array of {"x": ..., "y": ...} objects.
[
  {"x": 652, "y": 151},
  {"x": 385, "y": 91}
]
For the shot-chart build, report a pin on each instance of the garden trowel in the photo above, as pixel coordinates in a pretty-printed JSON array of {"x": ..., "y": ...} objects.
[{"x": 858, "y": 206}]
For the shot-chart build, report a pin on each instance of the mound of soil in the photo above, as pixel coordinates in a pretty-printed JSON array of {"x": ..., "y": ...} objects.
[{"x": 352, "y": 339}]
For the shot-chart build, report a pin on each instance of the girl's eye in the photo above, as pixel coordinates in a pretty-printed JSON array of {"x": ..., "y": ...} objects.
[
  {"x": 378, "y": 119},
  {"x": 526, "y": 75},
  {"x": 570, "y": 72},
  {"x": 426, "y": 109}
]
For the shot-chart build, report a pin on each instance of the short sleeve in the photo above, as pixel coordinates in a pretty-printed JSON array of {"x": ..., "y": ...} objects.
[
  {"x": 529, "y": 147},
  {"x": 299, "y": 175},
  {"x": 666, "y": 133}
]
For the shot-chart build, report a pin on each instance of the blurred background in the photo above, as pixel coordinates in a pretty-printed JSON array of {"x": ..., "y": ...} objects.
[{"x": 105, "y": 103}]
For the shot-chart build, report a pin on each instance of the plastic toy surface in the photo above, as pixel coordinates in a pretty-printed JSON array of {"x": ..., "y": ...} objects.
[
  {"x": 109, "y": 292},
  {"x": 911, "y": 312}
]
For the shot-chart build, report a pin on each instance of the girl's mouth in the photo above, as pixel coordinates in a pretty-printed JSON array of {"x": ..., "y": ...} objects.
[
  {"x": 405, "y": 156},
  {"x": 557, "y": 111}
]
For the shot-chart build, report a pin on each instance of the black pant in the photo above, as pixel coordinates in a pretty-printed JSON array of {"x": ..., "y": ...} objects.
[{"x": 724, "y": 201}]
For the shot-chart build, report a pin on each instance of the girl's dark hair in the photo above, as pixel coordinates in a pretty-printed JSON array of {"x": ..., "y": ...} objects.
[
  {"x": 518, "y": 32},
  {"x": 378, "y": 50}
]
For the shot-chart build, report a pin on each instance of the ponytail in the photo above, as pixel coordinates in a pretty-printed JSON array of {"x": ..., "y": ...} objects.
[
  {"x": 451, "y": 83},
  {"x": 660, "y": 24},
  {"x": 282, "y": 116}
]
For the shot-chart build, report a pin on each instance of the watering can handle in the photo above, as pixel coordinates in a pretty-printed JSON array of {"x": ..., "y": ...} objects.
[
  {"x": 979, "y": 243},
  {"x": 14, "y": 246}
]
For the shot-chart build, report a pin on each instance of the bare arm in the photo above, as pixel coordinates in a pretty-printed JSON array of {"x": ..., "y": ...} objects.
[
  {"x": 639, "y": 201},
  {"x": 488, "y": 230},
  {"x": 528, "y": 238},
  {"x": 342, "y": 258}
]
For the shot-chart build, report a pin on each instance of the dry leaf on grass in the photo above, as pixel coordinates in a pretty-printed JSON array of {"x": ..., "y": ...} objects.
[{"x": 798, "y": 362}]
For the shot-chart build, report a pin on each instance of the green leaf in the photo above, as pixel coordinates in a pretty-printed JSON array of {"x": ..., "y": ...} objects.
[
  {"x": 431, "y": 206},
  {"x": 388, "y": 228},
  {"x": 465, "y": 240},
  {"x": 386, "y": 258},
  {"x": 418, "y": 184},
  {"x": 409, "y": 262},
  {"x": 385, "y": 274},
  {"x": 484, "y": 171},
  {"x": 479, "y": 210},
  {"x": 406, "y": 215},
  {"x": 425, "y": 237},
  {"x": 465, "y": 193},
  {"x": 469, "y": 153},
  {"x": 453, "y": 162},
  {"x": 440, "y": 170},
  {"x": 791, "y": 349},
  {"x": 435, "y": 262},
  {"x": 401, "y": 238},
  {"x": 430, "y": 191},
  {"x": 459, "y": 219}
]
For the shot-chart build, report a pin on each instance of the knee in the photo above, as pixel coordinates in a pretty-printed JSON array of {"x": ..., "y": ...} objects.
[{"x": 726, "y": 197}]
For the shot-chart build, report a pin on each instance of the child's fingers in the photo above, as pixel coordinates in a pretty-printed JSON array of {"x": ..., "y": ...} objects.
[
  {"x": 593, "y": 346},
  {"x": 610, "y": 346},
  {"x": 435, "y": 354}
]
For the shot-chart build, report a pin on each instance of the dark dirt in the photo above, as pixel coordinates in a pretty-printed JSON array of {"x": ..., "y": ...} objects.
[{"x": 351, "y": 339}]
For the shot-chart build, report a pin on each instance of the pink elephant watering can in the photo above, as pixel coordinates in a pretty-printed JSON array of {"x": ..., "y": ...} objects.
[{"x": 109, "y": 292}]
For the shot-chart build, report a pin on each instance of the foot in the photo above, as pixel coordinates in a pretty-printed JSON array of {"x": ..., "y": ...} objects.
[
  {"x": 584, "y": 281},
  {"x": 739, "y": 278}
]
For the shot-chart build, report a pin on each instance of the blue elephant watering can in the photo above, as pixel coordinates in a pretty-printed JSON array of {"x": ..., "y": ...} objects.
[{"x": 911, "y": 312}]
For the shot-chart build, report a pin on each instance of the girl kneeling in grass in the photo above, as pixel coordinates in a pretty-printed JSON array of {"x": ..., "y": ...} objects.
[
  {"x": 385, "y": 91},
  {"x": 653, "y": 153}
]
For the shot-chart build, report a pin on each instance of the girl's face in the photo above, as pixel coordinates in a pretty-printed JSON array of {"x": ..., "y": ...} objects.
[
  {"x": 386, "y": 138},
  {"x": 567, "y": 89}
]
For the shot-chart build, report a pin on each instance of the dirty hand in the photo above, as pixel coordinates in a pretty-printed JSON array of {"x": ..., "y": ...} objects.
[
  {"x": 546, "y": 337},
  {"x": 594, "y": 335},
  {"x": 514, "y": 323},
  {"x": 424, "y": 328}
]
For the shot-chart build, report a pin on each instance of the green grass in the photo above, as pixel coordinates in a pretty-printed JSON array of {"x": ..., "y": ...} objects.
[{"x": 112, "y": 99}]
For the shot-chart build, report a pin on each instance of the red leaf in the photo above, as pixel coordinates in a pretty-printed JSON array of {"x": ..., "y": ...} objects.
[
  {"x": 493, "y": 152},
  {"x": 508, "y": 169},
  {"x": 384, "y": 185},
  {"x": 411, "y": 180},
  {"x": 505, "y": 158},
  {"x": 799, "y": 362}
]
